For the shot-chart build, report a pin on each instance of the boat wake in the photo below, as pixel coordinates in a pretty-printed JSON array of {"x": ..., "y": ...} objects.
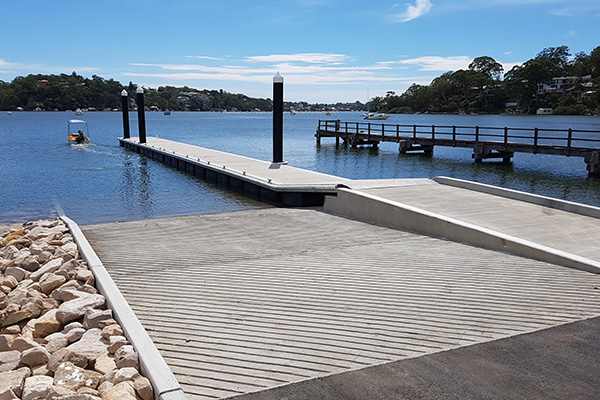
[{"x": 96, "y": 149}]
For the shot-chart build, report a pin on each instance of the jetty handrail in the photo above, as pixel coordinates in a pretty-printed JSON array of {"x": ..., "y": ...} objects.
[{"x": 567, "y": 138}]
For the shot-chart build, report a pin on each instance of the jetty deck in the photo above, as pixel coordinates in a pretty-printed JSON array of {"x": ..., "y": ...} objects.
[{"x": 267, "y": 181}]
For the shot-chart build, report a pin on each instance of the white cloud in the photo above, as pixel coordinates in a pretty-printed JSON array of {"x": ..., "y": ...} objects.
[
  {"x": 563, "y": 12},
  {"x": 420, "y": 8},
  {"x": 436, "y": 63},
  {"x": 204, "y": 68},
  {"x": 204, "y": 57},
  {"x": 560, "y": 8},
  {"x": 188, "y": 76},
  {"x": 312, "y": 74},
  {"x": 508, "y": 66},
  {"x": 576, "y": 11},
  {"x": 313, "y": 58},
  {"x": 23, "y": 69},
  {"x": 318, "y": 73}
]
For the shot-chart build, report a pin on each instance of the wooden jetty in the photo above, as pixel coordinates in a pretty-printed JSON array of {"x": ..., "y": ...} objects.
[{"x": 486, "y": 142}]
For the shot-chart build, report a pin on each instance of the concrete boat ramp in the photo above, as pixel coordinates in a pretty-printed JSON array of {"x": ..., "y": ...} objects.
[{"x": 477, "y": 294}]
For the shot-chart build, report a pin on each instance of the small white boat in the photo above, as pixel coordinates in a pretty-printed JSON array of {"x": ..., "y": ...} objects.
[
  {"x": 78, "y": 112},
  {"x": 9, "y": 112},
  {"x": 377, "y": 116},
  {"x": 78, "y": 132}
]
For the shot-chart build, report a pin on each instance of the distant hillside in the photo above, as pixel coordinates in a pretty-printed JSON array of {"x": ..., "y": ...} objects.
[
  {"x": 553, "y": 79},
  {"x": 69, "y": 92}
]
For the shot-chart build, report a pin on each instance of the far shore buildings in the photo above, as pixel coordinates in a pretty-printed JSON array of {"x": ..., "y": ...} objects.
[{"x": 579, "y": 87}]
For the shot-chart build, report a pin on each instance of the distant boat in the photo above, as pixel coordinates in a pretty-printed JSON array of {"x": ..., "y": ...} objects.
[
  {"x": 78, "y": 112},
  {"x": 377, "y": 116},
  {"x": 167, "y": 112},
  {"x": 328, "y": 113},
  {"x": 292, "y": 112},
  {"x": 9, "y": 112},
  {"x": 78, "y": 132},
  {"x": 374, "y": 116}
]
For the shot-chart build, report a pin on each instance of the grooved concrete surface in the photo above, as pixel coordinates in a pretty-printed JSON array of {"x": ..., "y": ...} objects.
[
  {"x": 246, "y": 301},
  {"x": 561, "y": 230}
]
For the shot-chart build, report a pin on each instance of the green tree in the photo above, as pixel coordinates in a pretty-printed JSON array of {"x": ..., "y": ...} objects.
[
  {"x": 487, "y": 66},
  {"x": 523, "y": 81},
  {"x": 595, "y": 62},
  {"x": 556, "y": 59}
]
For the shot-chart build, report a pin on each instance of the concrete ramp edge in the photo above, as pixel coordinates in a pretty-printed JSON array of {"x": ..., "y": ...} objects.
[
  {"x": 152, "y": 363},
  {"x": 373, "y": 209}
]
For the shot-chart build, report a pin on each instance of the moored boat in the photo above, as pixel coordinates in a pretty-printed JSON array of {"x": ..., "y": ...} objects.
[{"x": 377, "y": 116}]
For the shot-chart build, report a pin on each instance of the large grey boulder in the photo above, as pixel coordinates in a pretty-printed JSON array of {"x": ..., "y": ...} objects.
[
  {"x": 91, "y": 345},
  {"x": 14, "y": 380},
  {"x": 36, "y": 387}
]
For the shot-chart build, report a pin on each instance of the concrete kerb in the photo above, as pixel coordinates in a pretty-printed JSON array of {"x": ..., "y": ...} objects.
[
  {"x": 152, "y": 363},
  {"x": 582, "y": 209},
  {"x": 373, "y": 209}
]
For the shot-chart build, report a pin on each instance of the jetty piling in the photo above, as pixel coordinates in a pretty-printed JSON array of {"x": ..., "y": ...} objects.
[
  {"x": 278, "y": 118},
  {"x": 141, "y": 114},
  {"x": 125, "y": 108}
]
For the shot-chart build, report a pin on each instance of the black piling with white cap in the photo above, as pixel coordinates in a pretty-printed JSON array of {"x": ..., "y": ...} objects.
[
  {"x": 141, "y": 113},
  {"x": 125, "y": 108},
  {"x": 278, "y": 118}
]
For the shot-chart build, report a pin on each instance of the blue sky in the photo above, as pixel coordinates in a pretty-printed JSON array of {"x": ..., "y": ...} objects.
[{"x": 327, "y": 50}]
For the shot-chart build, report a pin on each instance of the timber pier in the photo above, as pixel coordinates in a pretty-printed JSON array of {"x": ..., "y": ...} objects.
[{"x": 486, "y": 142}]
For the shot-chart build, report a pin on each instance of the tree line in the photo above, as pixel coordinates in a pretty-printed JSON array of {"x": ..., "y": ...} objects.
[
  {"x": 552, "y": 79},
  {"x": 69, "y": 92}
]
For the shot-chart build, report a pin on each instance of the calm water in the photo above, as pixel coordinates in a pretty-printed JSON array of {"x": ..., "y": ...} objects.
[{"x": 41, "y": 174}]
